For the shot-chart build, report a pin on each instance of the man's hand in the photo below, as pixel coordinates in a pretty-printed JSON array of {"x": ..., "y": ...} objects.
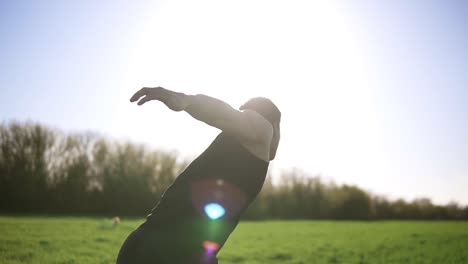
[{"x": 175, "y": 101}]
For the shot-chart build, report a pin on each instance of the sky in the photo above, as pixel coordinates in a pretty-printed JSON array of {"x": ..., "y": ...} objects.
[{"x": 372, "y": 93}]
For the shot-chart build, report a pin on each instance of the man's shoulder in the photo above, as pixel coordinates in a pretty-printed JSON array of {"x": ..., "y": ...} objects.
[
  {"x": 256, "y": 123},
  {"x": 256, "y": 134}
]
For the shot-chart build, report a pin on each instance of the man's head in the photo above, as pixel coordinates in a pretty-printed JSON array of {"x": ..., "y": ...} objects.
[{"x": 266, "y": 108}]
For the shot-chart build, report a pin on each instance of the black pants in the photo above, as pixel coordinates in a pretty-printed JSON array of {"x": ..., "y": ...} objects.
[{"x": 148, "y": 246}]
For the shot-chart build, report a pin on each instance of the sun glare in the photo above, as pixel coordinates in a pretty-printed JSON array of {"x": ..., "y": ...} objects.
[{"x": 304, "y": 55}]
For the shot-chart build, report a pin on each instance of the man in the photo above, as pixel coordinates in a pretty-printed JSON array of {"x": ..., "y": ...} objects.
[{"x": 198, "y": 212}]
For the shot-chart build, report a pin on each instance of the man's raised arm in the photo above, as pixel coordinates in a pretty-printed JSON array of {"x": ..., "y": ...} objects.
[{"x": 212, "y": 111}]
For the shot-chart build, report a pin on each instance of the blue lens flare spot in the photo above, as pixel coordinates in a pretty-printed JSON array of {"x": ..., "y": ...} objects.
[{"x": 214, "y": 211}]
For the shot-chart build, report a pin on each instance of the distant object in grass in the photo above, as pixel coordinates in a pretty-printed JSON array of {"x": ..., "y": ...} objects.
[{"x": 116, "y": 221}]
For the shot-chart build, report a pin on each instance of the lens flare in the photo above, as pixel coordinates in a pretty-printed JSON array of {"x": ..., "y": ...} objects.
[
  {"x": 210, "y": 246},
  {"x": 214, "y": 211}
]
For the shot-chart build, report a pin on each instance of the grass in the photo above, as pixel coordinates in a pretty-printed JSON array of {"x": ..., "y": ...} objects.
[{"x": 94, "y": 240}]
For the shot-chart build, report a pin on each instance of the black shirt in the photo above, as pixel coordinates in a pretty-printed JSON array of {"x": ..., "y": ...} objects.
[{"x": 227, "y": 177}]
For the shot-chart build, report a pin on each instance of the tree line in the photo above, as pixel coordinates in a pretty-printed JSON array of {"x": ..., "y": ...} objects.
[{"x": 47, "y": 171}]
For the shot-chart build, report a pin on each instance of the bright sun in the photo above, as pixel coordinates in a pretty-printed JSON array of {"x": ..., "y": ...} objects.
[{"x": 304, "y": 56}]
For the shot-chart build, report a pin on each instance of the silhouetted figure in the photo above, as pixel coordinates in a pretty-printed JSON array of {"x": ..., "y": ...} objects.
[{"x": 198, "y": 212}]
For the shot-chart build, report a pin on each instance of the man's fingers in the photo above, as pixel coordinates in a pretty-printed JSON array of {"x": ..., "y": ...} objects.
[
  {"x": 138, "y": 94},
  {"x": 144, "y": 100}
]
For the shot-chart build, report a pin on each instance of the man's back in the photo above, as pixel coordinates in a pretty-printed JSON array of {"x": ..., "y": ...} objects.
[{"x": 225, "y": 176}]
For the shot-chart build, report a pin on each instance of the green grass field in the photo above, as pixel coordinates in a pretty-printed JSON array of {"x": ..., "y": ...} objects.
[{"x": 94, "y": 240}]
